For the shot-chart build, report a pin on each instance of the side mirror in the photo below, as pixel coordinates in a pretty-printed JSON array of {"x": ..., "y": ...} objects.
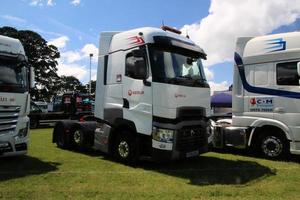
[
  {"x": 136, "y": 66},
  {"x": 298, "y": 68},
  {"x": 139, "y": 69},
  {"x": 31, "y": 77}
]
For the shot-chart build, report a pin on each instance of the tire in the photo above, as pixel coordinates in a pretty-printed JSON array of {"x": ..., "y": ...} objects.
[
  {"x": 34, "y": 123},
  {"x": 60, "y": 142},
  {"x": 125, "y": 148},
  {"x": 61, "y": 134},
  {"x": 273, "y": 146}
]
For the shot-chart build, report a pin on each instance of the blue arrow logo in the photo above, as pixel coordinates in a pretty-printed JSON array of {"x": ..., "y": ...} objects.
[{"x": 277, "y": 44}]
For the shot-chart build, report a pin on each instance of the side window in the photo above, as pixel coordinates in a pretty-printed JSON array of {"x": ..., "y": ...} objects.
[
  {"x": 135, "y": 66},
  {"x": 286, "y": 73}
]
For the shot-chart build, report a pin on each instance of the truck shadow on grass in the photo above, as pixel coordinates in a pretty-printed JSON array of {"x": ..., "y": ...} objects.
[
  {"x": 204, "y": 170},
  {"x": 22, "y": 166},
  {"x": 251, "y": 154},
  {"x": 211, "y": 171}
]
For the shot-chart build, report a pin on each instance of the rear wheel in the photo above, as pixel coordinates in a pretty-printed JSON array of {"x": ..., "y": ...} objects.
[
  {"x": 125, "y": 148},
  {"x": 61, "y": 138},
  {"x": 78, "y": 138},
  {"x": 61, "y": 134},
  {"x": 273, "y": 146}
]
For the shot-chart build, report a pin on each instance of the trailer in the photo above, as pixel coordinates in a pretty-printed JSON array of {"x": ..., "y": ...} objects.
[
  {"x": 152, "y": 98},
  {"x": 70, "y": 105}
]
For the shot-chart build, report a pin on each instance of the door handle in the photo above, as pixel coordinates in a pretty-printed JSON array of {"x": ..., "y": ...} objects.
[{"x": 279, "y": 110}]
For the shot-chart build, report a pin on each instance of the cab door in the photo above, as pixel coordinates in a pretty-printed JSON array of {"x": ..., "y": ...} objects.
[
  {"x": 137, "y": 91},
  {"x": 286, "y": 108}
]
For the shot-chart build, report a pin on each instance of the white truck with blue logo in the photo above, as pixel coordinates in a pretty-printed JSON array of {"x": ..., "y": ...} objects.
[
  {"x": 266, "y": 97},
  {"x": 16, "y": 78},
  {"x": 152, "y": 98}
]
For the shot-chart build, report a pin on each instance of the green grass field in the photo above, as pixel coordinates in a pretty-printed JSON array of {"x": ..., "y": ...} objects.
[{"x": 51, "y": 173}]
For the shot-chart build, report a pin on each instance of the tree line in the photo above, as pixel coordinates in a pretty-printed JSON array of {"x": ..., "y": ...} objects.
[{"x": 43, "y": 58}]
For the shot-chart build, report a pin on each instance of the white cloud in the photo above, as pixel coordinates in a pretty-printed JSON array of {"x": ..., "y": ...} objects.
[
  {"x": 70, "y": 62},
  {"x": 35, "y": 2},
  {"x": 59, "y": 42},
  {"x": 72, "y": 70},
  {"x": 71, "y": 56},
  {"x": 218, "y": 86},
  {"x": 90, "y": 49},
  {"x": 50, "y": 3},
  {"x": 78, "y": 55},
  {"x": 208, "y": 73},
  {"x": 13, "y": 18},
  {"x": 229, "y": 19},
  {"x": 75, "y": 2}
]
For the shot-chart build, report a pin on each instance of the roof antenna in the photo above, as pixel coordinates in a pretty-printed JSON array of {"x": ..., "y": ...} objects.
[{"x": 162, "y": 23}]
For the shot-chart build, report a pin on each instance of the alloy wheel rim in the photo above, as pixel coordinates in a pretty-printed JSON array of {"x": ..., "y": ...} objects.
[
  {"x": 77, "y": 137},
  {"x": 123, "y": 149},
  {"x": 272, "y": 146}
]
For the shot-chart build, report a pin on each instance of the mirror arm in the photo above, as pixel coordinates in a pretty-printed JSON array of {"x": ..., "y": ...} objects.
[{"x": 146, "y": 83}]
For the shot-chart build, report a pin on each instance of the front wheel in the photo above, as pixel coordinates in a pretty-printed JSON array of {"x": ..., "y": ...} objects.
[
  {"x": 273, "y": 146},
  {"x": 125, "y": 148},
  {"x": 34, "y": 123}
]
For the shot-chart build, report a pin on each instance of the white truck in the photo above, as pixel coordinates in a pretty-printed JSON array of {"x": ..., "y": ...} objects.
[
  {"x": 152, "y": 98},
  {"x": 266, "y": 97},
  {"x": 15, "y": 79}
]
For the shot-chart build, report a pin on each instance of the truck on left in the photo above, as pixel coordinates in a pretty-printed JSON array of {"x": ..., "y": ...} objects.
[{"x": 16, "y": 78}]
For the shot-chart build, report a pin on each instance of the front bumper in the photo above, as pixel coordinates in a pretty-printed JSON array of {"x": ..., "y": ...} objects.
[
  {"x": 11, "y": 143},
  {"x": 190, "y": 140},
  {"x": 11, "y": 148}
]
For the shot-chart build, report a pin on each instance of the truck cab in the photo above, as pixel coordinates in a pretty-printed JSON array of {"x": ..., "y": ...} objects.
[
  {"x": 14, "y": 97},
  {"x": 266, "y": 95},
  {"x": 152, "y": 97}
]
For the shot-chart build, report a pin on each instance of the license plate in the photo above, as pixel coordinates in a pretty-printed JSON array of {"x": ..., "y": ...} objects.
[{"x": 192, "y": 154}]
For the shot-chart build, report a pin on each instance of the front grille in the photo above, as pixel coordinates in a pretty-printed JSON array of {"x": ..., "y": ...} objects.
[
  {"x": 190, "y": 113},
  {"x": 191, "y": 138},
  {"x": 8, "y": 118}
]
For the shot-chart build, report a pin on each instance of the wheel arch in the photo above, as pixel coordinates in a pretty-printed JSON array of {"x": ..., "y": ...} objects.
[
  {"x": 273, "y": 128},
  {"x": 262, "y": 124}
]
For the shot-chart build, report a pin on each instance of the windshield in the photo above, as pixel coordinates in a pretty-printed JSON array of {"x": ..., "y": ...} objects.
[
  {"x": 176, "y": 68},
  {"x": 13, "y": 76}
]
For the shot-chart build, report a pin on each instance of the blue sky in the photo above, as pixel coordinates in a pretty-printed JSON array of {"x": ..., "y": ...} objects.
[{"x": 74, "y": 25}]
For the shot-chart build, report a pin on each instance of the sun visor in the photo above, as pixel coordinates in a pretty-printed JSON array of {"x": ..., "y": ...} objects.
[{"x": 179, "y": 45}]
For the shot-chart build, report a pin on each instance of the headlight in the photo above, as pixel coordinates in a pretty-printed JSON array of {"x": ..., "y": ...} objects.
[
  {"x": 163, "y": 135},
  {"x": 23, "y": 132}
]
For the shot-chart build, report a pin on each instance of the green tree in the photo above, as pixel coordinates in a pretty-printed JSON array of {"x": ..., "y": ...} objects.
[
  {"x": 42, "y": 56},
  {"x": 70, "y": 83},
  {"x": 93, "y": 84}
]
